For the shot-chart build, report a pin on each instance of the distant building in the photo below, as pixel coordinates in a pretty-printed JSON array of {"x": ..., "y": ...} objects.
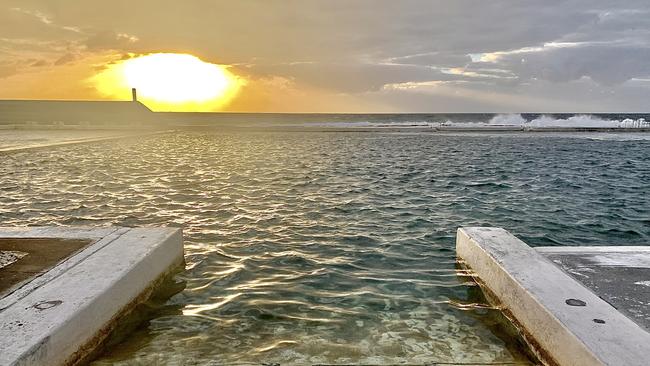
[{"x": 74, "y": 114}]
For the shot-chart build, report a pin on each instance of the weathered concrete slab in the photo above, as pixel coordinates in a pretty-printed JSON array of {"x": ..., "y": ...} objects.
[
  {"x": 60, "y": 316},
  {"x": 564, "y": 321},
  {"x": 618, "y": 275}
]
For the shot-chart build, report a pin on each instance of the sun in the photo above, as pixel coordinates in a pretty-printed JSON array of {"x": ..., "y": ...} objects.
[{"x": 170, "y": 82}]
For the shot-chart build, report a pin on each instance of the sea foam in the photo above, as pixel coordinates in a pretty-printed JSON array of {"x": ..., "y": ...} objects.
[{"x": 548, "y": 121}]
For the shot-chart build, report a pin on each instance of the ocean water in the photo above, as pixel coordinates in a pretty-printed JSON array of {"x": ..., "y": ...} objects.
[
  {"x": 333, "y": 248},
  {"x": 418, "y": 120}
]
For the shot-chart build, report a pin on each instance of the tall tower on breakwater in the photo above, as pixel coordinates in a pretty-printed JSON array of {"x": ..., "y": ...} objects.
[{"x": 134, "y": 95}]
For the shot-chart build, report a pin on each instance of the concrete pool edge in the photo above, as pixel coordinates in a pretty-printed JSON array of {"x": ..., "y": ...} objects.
[
  {"x": 534, "y": 293},
  {"x": 63, "y": 316}
]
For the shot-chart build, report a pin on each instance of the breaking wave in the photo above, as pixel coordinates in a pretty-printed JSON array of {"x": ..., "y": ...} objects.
[
  {"x": 524, "y": 121},
  {"x": 588, "y": 121},
  {"x": 576, "y": 121},
  {"x": 507, "y": 120}
]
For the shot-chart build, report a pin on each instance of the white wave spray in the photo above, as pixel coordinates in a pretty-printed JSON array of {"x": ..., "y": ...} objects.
[{"x": 547, "y": 121}]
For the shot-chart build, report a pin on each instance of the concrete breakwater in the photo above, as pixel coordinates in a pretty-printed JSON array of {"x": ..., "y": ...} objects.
[{"x": 66, "y": 114}]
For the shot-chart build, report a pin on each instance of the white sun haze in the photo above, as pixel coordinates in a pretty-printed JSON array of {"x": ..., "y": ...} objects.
[{"x": 175, "y": 78}]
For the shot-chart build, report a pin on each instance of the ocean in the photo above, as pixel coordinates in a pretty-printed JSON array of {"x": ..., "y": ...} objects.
[
  {"x": 310, "y": 247},
  {"x": 405, "y": 120}
]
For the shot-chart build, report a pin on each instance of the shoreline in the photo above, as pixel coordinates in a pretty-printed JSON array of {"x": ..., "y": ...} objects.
[{"x": 122, "y": 135}]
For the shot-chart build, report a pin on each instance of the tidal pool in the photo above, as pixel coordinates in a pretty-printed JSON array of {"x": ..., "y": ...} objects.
[{"x": 307, "y": 248}]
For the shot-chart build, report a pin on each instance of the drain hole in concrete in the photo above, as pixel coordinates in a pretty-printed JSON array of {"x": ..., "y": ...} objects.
[
  {"x": 575, "y": 302},
  {"x": 599, "y": 321},
  {"x": 47, "y": 304}
]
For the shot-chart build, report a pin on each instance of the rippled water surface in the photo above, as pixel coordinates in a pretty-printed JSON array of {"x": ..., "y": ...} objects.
[{"x": 306, "y": 248}]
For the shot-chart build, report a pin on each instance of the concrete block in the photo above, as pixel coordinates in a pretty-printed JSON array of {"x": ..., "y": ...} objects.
[
  {"x": 563, "y": 321},
  {"x": 61, "y": 316}
]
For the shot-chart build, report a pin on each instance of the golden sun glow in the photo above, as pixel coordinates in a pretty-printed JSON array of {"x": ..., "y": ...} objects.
[{"x": 170, "y": 82}]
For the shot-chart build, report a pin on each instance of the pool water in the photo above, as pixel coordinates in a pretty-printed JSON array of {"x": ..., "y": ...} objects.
[{"x": 337, "y": 248}]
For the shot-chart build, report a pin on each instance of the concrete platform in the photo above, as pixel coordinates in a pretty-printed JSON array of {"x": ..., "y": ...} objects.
[
  {"x": 67, "y": 300},
  {"x": 573, "y": 306},
  {"x": 618, "y": 275}
]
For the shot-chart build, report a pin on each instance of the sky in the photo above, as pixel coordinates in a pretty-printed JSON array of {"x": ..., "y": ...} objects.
[{"x": 347, "y": 55}]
